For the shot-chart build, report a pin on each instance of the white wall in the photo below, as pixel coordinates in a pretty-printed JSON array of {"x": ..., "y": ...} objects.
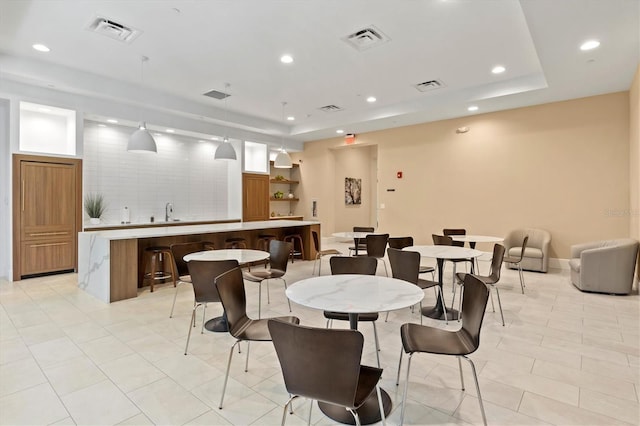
[
  {"x": 5, "y": 191},
  {"x": 183, "y": 173}
]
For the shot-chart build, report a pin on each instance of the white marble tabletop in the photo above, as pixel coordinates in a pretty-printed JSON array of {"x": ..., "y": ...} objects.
[
  {"x": 445, "y": 252},
  {"x": 241, "y": 255},
  {"x": 351, "y": 235},
  {"x": 476, "y": 238},
  {"x": 354, "y": 293}
]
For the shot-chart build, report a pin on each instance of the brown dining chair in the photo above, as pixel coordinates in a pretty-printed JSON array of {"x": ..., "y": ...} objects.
[
  {"x": 321, "y": 253},
  {"x": 278, "y": 256},
  {"x": 244, "y": 329},
  {"x": 361, "y": 265},
  {"x": 359, "y": 244},
  {"x": 450, "y": 232},
  {"x": 492, "y": 279},
  {"x": 179, "y": 251},
  {"x": 402, "y": 242},
  {"x": 376, "y": 247},
  {"x": 324, "y": 365},
  {"x": 460, "y": 343},
  {"x": 203, "y": 274},
  {"x": 405, "y": 266},
  {"x": 517, "y": 261}
]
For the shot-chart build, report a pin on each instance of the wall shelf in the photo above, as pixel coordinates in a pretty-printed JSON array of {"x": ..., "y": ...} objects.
[
  {"x": 284, "y": 199},
  {"x": 283, "y": 181}
]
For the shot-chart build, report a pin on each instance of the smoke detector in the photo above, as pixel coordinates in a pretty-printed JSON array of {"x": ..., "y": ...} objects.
[
  {"x": 366, "y": 38},
  {"x": 112, "y": 29},
  {"x": 429, "y": 85}
]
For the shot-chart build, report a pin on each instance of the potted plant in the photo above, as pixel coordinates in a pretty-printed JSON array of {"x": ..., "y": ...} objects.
[{"x": 95, "y": 206}]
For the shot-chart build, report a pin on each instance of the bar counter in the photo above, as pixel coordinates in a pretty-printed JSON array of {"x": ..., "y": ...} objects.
[{"x": 110, "y": 262}]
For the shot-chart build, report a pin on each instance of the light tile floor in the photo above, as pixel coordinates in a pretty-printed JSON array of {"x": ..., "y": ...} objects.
[{"x": 564, "y": 358}]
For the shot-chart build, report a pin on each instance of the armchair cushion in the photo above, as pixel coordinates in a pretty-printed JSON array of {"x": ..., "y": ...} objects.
[
  {"x": 604, "y": 266},
  {"x": 536, "y": 255}
]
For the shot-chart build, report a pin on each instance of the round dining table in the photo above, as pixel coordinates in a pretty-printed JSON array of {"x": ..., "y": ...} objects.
[
  {"x": 442, "y": 253},
  {"x": 352, "y": 235},
  {"x": 354, "y": 295},
  {"x": 243, "y": 256},
  {"x": 474, "y": 239}
]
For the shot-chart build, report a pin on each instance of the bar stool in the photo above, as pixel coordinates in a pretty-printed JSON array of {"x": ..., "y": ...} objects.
[
  {"x": 235, "y": 242},
  {"x": 296, "y": 251},
  {"x": 155, "y": 258},
  {"x": 264, "y": 240}
]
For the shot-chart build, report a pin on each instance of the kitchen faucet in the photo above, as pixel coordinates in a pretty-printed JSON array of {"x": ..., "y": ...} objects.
[{"x": 168, "y": 212}]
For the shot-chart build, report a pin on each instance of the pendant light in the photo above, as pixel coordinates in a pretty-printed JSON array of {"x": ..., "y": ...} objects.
[
  {"x": 225, "y": 150},
  {"x": 282, "y": 161},
  {"x": 141, "y": 140}
]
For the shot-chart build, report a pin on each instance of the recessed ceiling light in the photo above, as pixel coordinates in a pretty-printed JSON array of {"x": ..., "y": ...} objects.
[
  {"x": 498, "y": 69},
  {"x": 590, "y": 44},
  {"x": 339, "y": 131},
  {"x": 102, "y": 125},
  {"x": 286, "y": 59},
  {"x": 214, "y": 138},
  {"x": 473, "y": 108},
  {"x": 41, "y": 47},
  {"x": 170, "y": 131},
  {"x": 201, "y": 141},
  {"x": 371, "y": 99},
  {"x": 291, "y": 118},
  {"x": 111, "y": 120}
]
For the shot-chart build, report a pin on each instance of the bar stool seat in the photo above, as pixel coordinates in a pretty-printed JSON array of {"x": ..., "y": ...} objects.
[
  {"x": 235, "y": 242},
  {"x": 297, "y": 249},
  {"x": 263, "y": 241},
  {"x": 155, "y": 258}
]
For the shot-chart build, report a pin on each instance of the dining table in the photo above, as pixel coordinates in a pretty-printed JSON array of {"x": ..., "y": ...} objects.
[
  {"x": 352, "y": 235},
  {"x": 472, "y": 240},
  {"x": 355, "y": 294},
  {"x": 442, "y": 253},
  {"x": 243, "y": 256}
]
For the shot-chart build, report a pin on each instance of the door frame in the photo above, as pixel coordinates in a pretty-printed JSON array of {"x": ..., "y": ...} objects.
[{"x": 16, "y": 190}]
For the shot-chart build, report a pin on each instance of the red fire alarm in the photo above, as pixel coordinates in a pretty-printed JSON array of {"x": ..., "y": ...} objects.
[
  {"x": 349, "y": 138},
  {"x": 399, "y": 175}
]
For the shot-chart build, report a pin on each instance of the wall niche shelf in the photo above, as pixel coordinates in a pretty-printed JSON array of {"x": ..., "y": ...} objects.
[
  {"x": 284, "y": 199},
  {"x": 284, "y": 181}
]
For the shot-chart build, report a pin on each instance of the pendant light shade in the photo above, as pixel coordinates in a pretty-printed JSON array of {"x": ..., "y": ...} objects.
[
  {"x": 282, "y": 160},
  {"x": 142, "y": 141},
  {"x": 225, "y": 150}
]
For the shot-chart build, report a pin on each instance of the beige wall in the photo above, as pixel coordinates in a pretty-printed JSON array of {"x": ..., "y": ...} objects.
[
  {"x": 562, "y": 166},
  {"x": 634, "y": 155}
]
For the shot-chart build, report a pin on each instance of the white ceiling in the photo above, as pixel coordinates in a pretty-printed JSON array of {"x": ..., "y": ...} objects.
[{"x": 196, "y": 46}]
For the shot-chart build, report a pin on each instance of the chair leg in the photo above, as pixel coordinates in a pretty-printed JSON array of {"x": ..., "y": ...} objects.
[
  {"x": 399, "y": 366},
  {"x": 499, "y": 304},
  {"x": 193, "y": 318},
  {"x": 259, "y": 298},
  {"x": 444, "y": 308},
  {"x": 268, "y": 293},
  {"x": 204, "y": 312},
  {"x": 285, "y": 289},
  {"x": 287, "y": 405},
  {"x": 521, "y": 278},
  {"x": 491, "y": 295},
  {"x": 475, "y": 377},
  {"x": 246, "y": 363},
  {"x": 406, "y": 389},
  {"x": 175, "y": 295},
  {"x": 461, "y": 376},
  {"x": 382, "y": 417},
  {"x": 313, "y": 271},
  {"x": 226, "y": 377},
  {"x": 310, "y": 409},
  {"x": 420, "y": 313},
  {"x": 355, "y": 415},
  {"x": 386, "y": 272},
  {"x": 375, "y": 335},
  {"x": 386, "y": 317}
]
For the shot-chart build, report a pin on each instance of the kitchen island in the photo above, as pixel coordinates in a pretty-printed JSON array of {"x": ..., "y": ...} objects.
[{"x": 110, "y": 261}]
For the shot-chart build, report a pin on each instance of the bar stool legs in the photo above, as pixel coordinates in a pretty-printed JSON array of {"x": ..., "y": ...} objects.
[{"x": 155, "y": 258}]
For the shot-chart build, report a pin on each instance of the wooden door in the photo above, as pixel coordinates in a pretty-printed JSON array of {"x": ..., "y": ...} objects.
[
  {"x": 255, "y": 197},
  {"x": 47, "y": 203}
]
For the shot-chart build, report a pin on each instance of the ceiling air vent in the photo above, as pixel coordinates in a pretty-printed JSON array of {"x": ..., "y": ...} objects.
[
  {"x": 428, "y": 86},
  {"x": 330, "y": 108},
  {"x": 216, "y": 94},
  {"x": 112, "y": 29},
  {"x": 366, "y": 38}
]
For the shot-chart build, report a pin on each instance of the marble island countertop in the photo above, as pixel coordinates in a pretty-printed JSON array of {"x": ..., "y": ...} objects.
[{"x": 156, "y": 223}]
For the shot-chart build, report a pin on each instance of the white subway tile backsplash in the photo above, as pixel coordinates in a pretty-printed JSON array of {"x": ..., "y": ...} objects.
[{"x": 183, "y": 173}]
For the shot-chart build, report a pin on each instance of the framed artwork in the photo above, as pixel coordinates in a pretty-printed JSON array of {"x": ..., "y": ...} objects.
[{"x": 352, "y": 191}]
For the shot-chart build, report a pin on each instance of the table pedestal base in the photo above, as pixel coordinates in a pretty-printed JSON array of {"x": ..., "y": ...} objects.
[
  {"x": 217, "y": 325},
  {"x": 369, "y": 412},
  {"x": 436, "y": 313}
]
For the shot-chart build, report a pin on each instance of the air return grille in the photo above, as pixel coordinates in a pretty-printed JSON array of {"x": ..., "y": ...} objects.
[
  {"x": 330, "y": 108},
  {"x": 216, "y": 94},
  {"x": 366, "y": 38},
  {"x": 429, "y": 85},
  {"x": 112, "y": 29}
]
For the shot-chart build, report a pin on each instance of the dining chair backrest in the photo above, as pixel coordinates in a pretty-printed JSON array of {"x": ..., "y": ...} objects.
[
  {"x": 316, "y": 240},
  {"x": 474, "y": 302},
  {"x": 455, "y": 231},
  {"x": 496, "y": 263},
  {"x": 363, "y": 265},
  {"x": 318, "y": 363},
  {"x": 442, "y": 240},
  {"x": 230, "y": 287},
  {"x": 405, "y": 265},
  {"x": 279, "y": 252},
  {"x": 524, "y": 247},
  {"x": 377, "y": 245},
  {"x": 180, "y": 250},
  {"x": 203, "y": 274},
  {"x": 400, "y": 242}
]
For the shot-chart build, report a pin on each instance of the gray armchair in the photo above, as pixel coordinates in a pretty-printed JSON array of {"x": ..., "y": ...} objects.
[
  {"x": 536, "y": 254},
  {"x": 604, "y": 266}
]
